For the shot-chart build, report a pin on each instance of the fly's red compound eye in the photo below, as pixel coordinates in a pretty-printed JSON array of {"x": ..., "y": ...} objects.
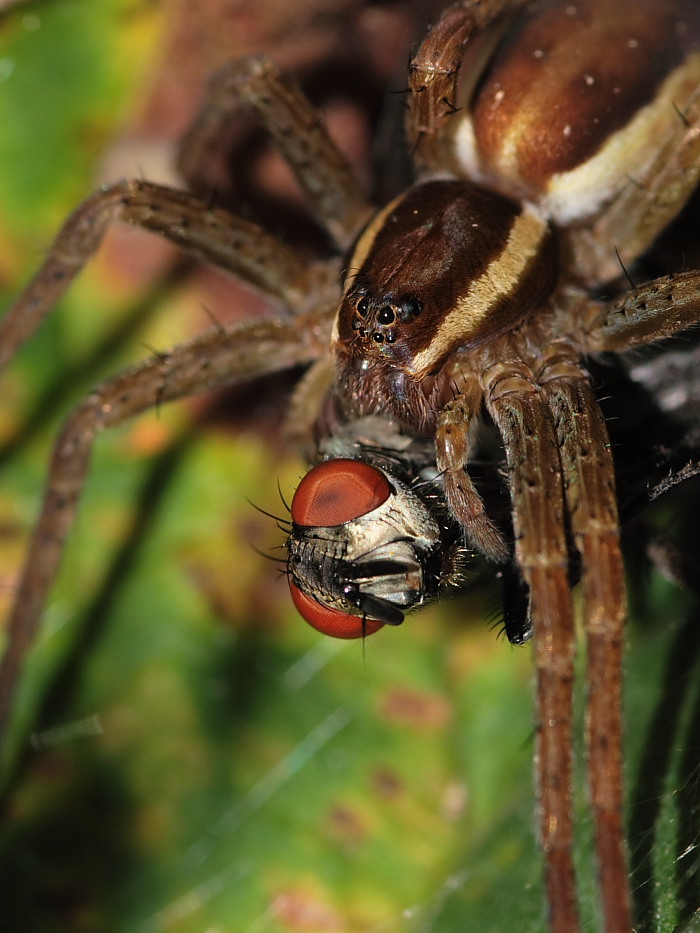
[
  {"x": 337, "y": 491},
  {"x": 330, "y": 621},
  {"x": 332, "y": 493}
]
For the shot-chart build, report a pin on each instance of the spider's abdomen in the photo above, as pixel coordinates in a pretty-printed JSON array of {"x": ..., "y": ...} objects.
[
  {"x": 445, "y": 266},
  {"x": 573, "y": 99}
]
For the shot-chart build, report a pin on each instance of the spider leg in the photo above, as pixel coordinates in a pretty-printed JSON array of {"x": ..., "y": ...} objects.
[
  {"x": 657, "y": 309},
  {"x": 433, "y": 73},
  {"x": 214, "y": 235},
  {"x": 333, "y": 192},
  {"x": 215, "y": 359},
  {"x": 308, "y": 398},
  {"x": 452, "y": 455},
  {"x": 521, "y": 414},
  {"x": 589, "y": 483},
  {"x": 654, "y": 195}
]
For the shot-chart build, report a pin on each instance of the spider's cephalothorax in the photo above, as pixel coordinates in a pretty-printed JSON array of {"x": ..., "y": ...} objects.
[
  {"x": 553, "y": 140},
  {"x": 446, "y": 265}
]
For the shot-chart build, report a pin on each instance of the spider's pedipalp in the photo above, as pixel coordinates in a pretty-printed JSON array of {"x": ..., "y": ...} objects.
[{"x": 452, "y": 457}]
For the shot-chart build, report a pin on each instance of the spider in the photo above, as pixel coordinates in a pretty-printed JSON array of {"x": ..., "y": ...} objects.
[{"x": 552, "y": 142}]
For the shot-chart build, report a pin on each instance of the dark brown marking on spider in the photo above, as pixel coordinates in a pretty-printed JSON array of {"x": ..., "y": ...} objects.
[
  {"x": 444, "y": 267},
  {"x": 567, "y": 79}
]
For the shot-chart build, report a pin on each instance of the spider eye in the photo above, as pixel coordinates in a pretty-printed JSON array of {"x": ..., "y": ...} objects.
[
  {"x": 411, "y": 306},
  {"x": 330, "y": 621},
  {"x": 386, "y": 315},
  {"x": 363, "y": 306},
  {"x": 337, "y": 491}
]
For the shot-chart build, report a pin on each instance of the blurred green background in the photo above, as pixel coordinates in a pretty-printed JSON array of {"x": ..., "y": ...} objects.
[{"x": 199, "y": 760}]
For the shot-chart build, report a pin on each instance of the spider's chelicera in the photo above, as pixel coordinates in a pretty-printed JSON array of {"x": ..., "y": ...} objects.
[{"x": 553, "y": 141}]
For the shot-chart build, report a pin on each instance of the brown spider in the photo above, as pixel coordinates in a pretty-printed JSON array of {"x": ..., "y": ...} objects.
[{"x": 455, "y": 298}]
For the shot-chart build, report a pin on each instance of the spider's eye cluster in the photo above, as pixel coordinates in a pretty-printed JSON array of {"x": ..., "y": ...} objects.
[
  {"x": 374, "y": 316},
  {"x": 333, "y": 493}
]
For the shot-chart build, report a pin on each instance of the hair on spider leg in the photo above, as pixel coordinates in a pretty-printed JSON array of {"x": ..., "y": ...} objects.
[
  {"x": 624, "y": 269},
  {"x": 213, "y": 199},
  {"x": 218, "y": 324},
  {"x": 154, "y": 351},
  {"x": 683, "y": 118}
]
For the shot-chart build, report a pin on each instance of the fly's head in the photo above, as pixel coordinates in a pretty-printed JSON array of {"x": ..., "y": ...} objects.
[{"x": 365, "y": 547}]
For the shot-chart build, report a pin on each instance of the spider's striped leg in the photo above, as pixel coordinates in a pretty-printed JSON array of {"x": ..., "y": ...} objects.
[
  {"x": 330, "y": 186},
  {"x": 524, "y": 419},
  {"x": 216, "y": 359},
  {"x": 210, "y": 234},
  {"x": 649, "y": 312},
  {"x": 307, "y": 401},
  {"x": 589, "y": 481},
  {"x": 433, "y": 75}
]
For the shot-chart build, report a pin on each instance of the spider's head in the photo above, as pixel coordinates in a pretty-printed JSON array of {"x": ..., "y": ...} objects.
[{"x": 445, "y": 266}]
